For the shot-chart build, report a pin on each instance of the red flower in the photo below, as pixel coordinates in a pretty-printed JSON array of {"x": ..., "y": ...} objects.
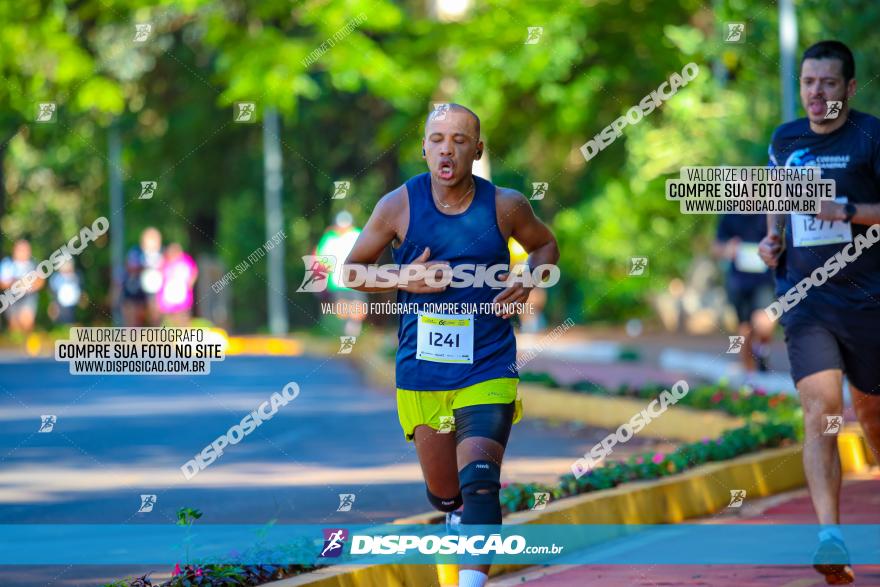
[
  {"x": 717, "y": 397},
  {"x": 657, "y": 458},
  {"x": 176, "y": 570},
  {"x": 199, "y": 572}
]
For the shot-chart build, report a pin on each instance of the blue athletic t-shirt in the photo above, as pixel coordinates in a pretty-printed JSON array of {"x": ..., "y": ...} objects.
[
  {"x": 472, "y": 236},
  {"x": 851, "y": 156}
]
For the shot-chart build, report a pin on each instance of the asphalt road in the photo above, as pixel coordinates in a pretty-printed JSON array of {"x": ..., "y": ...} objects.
[{"x": 118, "y": 437}]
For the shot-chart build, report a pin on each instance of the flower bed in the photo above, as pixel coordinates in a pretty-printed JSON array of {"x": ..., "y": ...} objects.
[{"x": 774, "y": 420}]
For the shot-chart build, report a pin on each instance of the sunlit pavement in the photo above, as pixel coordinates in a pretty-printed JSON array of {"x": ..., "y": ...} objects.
[
  {"x": 860, "y": 504},
  {"x": 118, "y": 437},
  {"x": 663, "y": 357}
]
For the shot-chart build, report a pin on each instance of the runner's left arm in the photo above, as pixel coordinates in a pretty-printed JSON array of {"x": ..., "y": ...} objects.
[
  {"x": 865, "y": 213},
  {"x": 534, "y": 236}
]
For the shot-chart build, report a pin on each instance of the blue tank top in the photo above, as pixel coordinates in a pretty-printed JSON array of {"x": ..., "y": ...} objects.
[{"x": 472, "y": 236}]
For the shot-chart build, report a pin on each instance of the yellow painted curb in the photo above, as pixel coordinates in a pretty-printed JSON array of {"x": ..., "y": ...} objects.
[
  {"x": 679, "y": 422},
  {"x": 855, "y": 454},
  {"x": 697, "y": 492},
  {"x": 365, "y": 576},
  {"x": 701, "y": 491},
  {"x": 263, "y": 345},
  {"x": 447, "y": 575}
]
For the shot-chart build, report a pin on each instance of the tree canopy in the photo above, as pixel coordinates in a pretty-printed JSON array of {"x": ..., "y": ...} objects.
[{"x": 352, "y": 81}]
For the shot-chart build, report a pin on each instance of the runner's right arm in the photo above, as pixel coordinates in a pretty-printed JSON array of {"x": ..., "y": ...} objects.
[
  {"x": 380, "y": 231},
  {"x": 770, "y": 246}
]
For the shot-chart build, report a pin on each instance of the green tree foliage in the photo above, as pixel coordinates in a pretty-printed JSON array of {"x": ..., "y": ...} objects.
[{"x": 355, "y": 112}]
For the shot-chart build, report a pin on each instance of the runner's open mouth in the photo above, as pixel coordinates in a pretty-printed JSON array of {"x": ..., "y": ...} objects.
[{"x": 446, "y": 170}]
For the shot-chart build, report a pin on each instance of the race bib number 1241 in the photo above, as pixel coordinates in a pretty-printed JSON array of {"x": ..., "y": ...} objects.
[{"x": 445, "y": 338}]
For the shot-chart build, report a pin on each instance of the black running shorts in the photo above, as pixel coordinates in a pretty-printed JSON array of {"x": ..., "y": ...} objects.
[{"x": 834, "y": 338}]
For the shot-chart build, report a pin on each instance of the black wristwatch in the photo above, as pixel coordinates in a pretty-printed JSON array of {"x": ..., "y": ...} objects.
[{"x": 850, "y": 210}]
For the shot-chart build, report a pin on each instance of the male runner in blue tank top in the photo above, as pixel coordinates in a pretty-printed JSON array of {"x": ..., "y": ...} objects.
[
  {"x": 835, "y": 329},
  {"x": 456, "y": 372}
]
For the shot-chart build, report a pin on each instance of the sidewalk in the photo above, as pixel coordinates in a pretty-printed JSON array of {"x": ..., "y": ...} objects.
[
  {"x": 593, "y": 353},
  {"x": 860, "y": 504}
]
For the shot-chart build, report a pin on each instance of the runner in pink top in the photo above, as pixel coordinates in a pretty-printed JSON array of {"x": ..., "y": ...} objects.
[{"x": 179, "y": 273}]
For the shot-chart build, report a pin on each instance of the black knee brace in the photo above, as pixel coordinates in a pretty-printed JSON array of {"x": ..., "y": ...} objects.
[
  {"x": 491, "y": 421},
  {"x": 480, "y": 483},
  {"x": 444, "y": 505}
]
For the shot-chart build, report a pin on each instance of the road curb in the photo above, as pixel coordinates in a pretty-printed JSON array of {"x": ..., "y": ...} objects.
[
  {"x": 694, "y": 493},
  {"x": 263, "y": 345},
  {"x": 365, "y": 576}
]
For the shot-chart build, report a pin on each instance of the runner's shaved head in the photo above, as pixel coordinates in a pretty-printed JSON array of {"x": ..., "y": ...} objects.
[{"x": 453, "y": 107}]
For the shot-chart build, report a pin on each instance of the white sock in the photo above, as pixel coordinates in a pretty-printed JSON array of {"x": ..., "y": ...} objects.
[{"x": 471, "y": 578}]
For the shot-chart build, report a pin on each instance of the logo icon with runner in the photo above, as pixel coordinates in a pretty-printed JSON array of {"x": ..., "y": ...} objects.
[
  {"x": 534, "y": 35},
  {"x": 446, "y": 424},
  {"x": 833, "y": 424},
  {"x": 346, "y": 344},
  {"x": 735, "y": 32},
  {"x": 148, "y": 188},
  {"x": 539, "y": 190},
  {"x": 147, "y": 503},
  {"x": 346, "y": 501},
  {"x": 142, "y": 32},
  {"x": 440, "y": 110},
  {"x": 47, "y": 423},
  {"x": 638, "y": 265},
  {"x": 737, "y": 496},
  {"x": 736, "y": 344},
  {"x": 46, "y": 111},
  {"x": 334, "y": 541},
  {"x": 832, "y": 109},
  {"x": 340, "y": 189},
  {"x": 541, "y": 500},
  {"x": 318, "y": 270},
  {"x": 245, "y": 112}
]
